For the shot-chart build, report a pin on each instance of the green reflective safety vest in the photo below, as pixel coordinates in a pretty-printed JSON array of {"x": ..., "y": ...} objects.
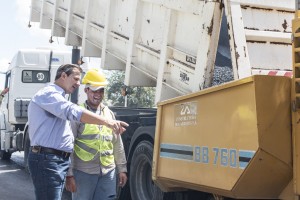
[{"x": 95, "y": 139}]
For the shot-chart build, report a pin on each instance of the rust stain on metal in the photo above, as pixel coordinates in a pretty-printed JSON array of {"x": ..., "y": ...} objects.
[
  {"x": 286, "y": 11},
  {"x": 221, "y": 5},
  {"x": 249, "y": 28},
  {"x": 255, "y": 8},
  {"x": 200, "y": 87},
  {"x": 237, "y": 55},
  {"x": 79, "y": 16},
  {"x": 255, "y": 41},
  {"x": 210, "y": 28},
  {"x": 273, "y": 30},
  {"x": 151, "y": 49},
  {"x": 284, "y": 25},
  {"x": 281, "y": 43},
  {"x": 228, "y": 26},
  {"x": 120, "y": 35},
  {"x": 98, "y": 25},
  {"x": 63, "y": 8},
  {"x": 244, "y": 6}
]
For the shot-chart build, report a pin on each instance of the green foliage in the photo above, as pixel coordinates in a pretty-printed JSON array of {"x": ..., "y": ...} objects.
[
  {"x": 136, "y": 97},
  {"x": 115, "y": 82}
]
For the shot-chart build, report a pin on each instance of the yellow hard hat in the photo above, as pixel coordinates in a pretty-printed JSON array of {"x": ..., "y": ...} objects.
[{"x": 94, "y": 78}]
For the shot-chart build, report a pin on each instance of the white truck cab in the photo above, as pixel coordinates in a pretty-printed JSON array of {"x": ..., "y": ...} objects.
[{"x": 29, "y": 71}]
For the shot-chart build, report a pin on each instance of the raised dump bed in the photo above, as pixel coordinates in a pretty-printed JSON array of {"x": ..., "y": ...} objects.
[
  {"x": 233, "y": 140},
  {"x": 172, "y": 45}
]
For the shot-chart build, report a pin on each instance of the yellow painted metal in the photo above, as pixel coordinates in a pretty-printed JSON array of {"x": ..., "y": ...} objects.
[
  {"x": 232, "y": 140},
  {"x": 296, "y": 101}
]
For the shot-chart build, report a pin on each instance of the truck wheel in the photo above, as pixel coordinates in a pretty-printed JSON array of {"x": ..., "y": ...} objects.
[
  {"x": 141, "y": 185},
  {"x": 26, "y": 150},
  {"x": 4, "y": 155}
]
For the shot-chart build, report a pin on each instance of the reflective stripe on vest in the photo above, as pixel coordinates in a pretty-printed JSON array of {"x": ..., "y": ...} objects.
[{"x": 93, "y": 140}]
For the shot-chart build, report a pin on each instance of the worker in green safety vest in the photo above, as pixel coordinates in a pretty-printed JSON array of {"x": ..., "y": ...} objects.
[{"x": 98, "y": 152}]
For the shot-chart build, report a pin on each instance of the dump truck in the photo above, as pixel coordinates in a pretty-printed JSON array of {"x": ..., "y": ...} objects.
[
  {"x": 237, "y": 140},
  {"x": 28, "y": 71}
]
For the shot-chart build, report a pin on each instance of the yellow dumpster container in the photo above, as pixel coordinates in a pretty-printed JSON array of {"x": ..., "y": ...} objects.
[{"x": 233, "y": 140}]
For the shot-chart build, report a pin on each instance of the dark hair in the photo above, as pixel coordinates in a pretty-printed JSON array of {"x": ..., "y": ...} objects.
[{"x": 68, "y": 69}]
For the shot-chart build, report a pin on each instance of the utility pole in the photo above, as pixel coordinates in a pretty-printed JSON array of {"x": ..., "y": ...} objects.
[{"x": 75, "y": 59}]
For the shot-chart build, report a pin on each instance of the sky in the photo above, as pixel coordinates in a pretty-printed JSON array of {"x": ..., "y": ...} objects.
[{"x": 16, "y": 35}]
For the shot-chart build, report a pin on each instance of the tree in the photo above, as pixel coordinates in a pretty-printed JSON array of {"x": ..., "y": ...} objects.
[{"x": 136, "y": 96}]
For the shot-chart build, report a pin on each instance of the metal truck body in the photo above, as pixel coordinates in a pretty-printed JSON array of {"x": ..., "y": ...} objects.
[
  {"x": 235, "y": 140},
  {"x": 221, "y": 140},
  {"x": 157, "y": 42}
]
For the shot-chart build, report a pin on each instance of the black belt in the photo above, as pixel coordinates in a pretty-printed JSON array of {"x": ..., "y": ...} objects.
[{"x": 40, "y": 149}]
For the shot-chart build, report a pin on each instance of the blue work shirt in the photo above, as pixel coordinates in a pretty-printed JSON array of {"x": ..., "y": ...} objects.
[{"x": 48, "y": 115}]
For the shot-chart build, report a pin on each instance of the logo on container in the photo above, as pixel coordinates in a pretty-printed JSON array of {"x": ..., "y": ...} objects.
[{"x": 186, "y": 114}]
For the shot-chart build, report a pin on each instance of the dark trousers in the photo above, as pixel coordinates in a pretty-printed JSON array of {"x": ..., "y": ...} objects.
[{"x": 48, "y": 172}]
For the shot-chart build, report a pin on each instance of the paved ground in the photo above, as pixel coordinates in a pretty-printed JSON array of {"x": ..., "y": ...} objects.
[{"x": 15, "y": 182}]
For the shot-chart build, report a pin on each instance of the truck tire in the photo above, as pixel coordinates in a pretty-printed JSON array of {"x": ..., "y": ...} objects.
[
  {"x": 4, "y": 155},
  {"x": 141, "y": 185},
  {"x": 26, "y": 150}
]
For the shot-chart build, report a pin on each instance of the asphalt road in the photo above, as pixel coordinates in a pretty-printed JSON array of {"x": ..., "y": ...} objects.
[{"x": 15, "y": 182}]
